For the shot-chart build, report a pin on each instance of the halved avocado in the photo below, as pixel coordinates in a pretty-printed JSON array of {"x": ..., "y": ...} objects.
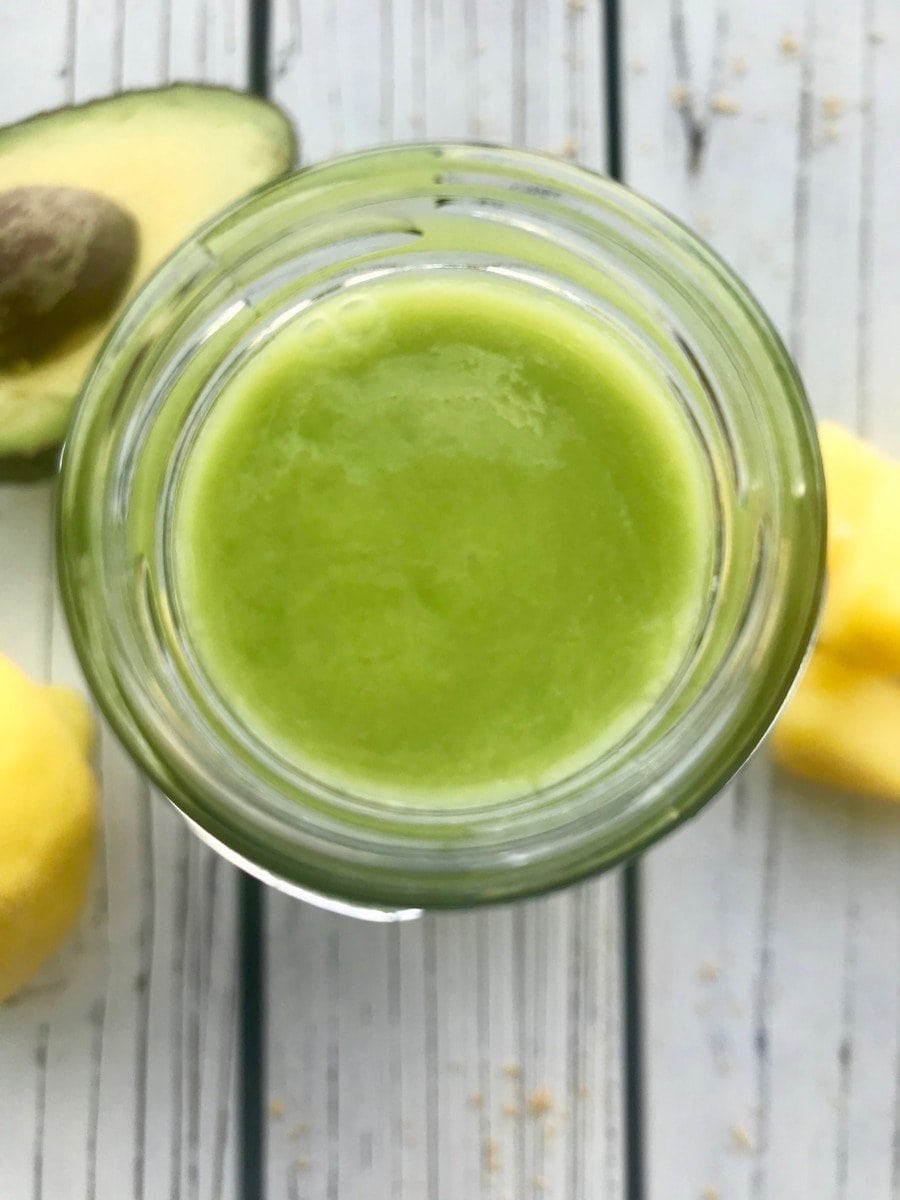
[{"x": 169, "y": 158}]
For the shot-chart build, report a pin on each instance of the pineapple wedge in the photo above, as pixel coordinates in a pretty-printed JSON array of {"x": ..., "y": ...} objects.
[{"x": 842, "y": 728}]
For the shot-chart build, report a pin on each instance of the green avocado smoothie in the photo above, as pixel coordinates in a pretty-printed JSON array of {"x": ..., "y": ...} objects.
[{"x": 443, "y": 538}]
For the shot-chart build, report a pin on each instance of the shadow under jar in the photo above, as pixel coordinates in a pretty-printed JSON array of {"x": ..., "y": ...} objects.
[{"x": 343, "y": 230}]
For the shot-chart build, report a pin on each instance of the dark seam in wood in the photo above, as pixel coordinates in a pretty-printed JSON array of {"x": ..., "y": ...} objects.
[
  {"x": 176, "y": 1040},
  {"x": 98, "y": 1008},
  {"x": 574, "y": 76},
  {"x": 614, "y": 1055},
  {"x": 395, "y": 1076},
  {"x": 210, "y": 869},
  {"x": 694, "y": 129},
  {"x": 575, "y": 1016},
  {"x": 71, "y": 48},
  {"x": 429, "y": 967},
  {"x": 419, "y": 87},
  {"x": 195, "y": 1001},
  {"x": 801, "y": 197},
  {"x": 519, "y": 936},
  {"x": 473, "y": 66},
  {"x": 483, "y": 1019},
  {"x": 146, "y": 941},
  {"x": 694, "y": 111},
  {"x": 386, "y": 82},
  {"x": 40, "y": 1115},
  {"x": 332, "y": 1067},
  {"x": 202, "y": 33},
  {"x": 845, "y": 1047},
  {"x": 98, "y": 1021},
  {"x": 226, "y": 1085},
  {"x": 119, "y": 46},
  {"x": 519, "y": 74},
  {"x": 335, "y": 93},
  {"x": 165, "y": 42},
  {"x": 865, "y": 233},
  {"x": 762, "y": 997},
  {"x": 539, "y": 944}
]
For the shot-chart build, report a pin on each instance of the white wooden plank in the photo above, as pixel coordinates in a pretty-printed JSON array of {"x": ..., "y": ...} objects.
[
  {"x": 404, "y": 1058},
  {"x": 122, "y": 1048},
  {"x": 771, "y": 923}
]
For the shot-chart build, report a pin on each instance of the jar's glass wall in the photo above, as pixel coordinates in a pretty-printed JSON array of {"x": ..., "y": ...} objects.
[{"x": 431, "y": 209}]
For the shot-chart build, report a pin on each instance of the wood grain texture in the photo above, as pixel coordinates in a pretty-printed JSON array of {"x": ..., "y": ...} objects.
[
  {"x": 116, "y": 1064},
  {"x": 402, "y": 1060},
  {"x": 772, "y": 923}
]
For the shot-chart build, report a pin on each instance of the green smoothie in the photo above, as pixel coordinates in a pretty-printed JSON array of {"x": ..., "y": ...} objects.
[{"x": 442, "y": 539}]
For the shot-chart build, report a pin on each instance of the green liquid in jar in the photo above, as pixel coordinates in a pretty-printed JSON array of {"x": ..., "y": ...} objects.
[{"x": 443, "y": 539}]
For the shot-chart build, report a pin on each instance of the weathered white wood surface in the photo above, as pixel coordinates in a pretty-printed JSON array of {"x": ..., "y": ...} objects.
[
  {"x": 772, "y": 924},
  {"x": 402, "y": 1060},
  {"x": 116, "y": 1065}
]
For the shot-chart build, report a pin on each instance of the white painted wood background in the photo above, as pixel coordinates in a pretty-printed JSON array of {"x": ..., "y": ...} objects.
[{"x": 771, "y": 947}]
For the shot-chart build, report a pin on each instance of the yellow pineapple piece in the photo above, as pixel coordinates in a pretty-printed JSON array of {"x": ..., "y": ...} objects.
[
  {"x": 861, "y": 620},
  {"x": 853, "y": 470},
  {"x": 842, "y": 727}
]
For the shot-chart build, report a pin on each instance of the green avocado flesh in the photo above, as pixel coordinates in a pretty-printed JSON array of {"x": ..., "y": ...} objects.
[
  {"x": 442, "y": 540},
  {"x": 169, "y": 158}
]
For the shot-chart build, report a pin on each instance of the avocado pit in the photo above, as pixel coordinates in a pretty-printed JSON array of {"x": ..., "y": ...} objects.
[{"x": 66, "y": 257}]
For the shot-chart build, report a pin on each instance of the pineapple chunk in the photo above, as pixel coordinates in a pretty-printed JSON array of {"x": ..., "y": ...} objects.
[
  {"x": 842, "y": 727},
  {"x": 861, "y": 620},
  {"x": 853, "y": 469}
]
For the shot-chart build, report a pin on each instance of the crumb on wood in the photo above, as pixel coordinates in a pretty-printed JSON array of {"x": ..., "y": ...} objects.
[
  {"x": 831, "y": 131},
  {"x": 576, "y": 6},
  {"x": 511, "y": 1110},
  {"x": 298, "y": 1131},
  {"x": 540, "y": 1102},
  {"x": 476, "y": 1100},
  {"x": 582, "y": 1091},
  {"x": 762, "y": 246},
  {"x": 833, "y": 105},
  {"x": 876, "y": 37},
  {"x": 511, "y": 1070},
  {"x": 708, "y": 972},
  {"x": 710, "y": 1193},
  {"x": 276, "y": 1108},
  {"x": 570, "y": 148},
  {"x": 726, "y": 106},
  {"x": 302, "y": 1164},
  {"x": 637, "y": 65},
  {"x": 490, "y": 1155},
  {"x": 789, "y": 45},
  {"x": 538, "y": 1182},
  {"x": 742, "y": 1139},
  {"x": 680, "y": 96},
  {"x": 739, "y": 65}
]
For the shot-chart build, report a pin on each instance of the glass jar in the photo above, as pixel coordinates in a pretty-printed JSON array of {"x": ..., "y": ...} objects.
[{"x": 413, "y": 209}]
